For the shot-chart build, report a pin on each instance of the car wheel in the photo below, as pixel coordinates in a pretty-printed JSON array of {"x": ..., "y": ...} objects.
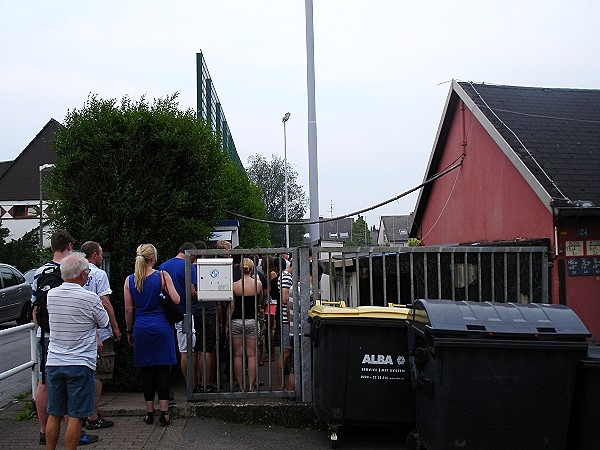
[{"x": 25, "y": 316}]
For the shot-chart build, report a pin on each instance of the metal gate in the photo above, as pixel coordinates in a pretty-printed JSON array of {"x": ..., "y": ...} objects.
[{"x": 356, "y": 276}]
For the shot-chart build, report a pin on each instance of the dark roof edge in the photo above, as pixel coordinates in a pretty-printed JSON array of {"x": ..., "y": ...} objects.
[{"x": 574, "y": 211}]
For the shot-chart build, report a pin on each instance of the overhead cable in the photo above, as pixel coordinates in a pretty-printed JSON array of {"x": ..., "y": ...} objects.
[{"x": 454, "y": 165}]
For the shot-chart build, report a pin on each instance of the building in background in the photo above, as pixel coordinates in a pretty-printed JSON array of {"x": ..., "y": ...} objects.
[
  {"x": 394, "y": 230},
  {"x": 526, "y": 163}
]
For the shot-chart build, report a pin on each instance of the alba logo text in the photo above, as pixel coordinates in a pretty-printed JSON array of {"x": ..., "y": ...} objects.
[{"x": 378, "y": 359}]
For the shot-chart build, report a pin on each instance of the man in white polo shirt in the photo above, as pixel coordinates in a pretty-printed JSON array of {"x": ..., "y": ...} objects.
[
  {"x": 75, "y": 314},
  {"x": 98, "y": 282}
]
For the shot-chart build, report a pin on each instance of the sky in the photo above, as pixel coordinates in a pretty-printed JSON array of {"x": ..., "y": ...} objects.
[{"x": 382, "y": 73}]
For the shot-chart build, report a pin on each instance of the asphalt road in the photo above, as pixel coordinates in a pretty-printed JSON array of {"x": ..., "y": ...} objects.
[{"x": 14, "y": 350}]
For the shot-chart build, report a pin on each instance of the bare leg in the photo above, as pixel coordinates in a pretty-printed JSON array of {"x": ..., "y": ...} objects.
[
  {"x": 251, "y": 354},
  {"x": 281, "y": 363},
  {"x": 73, "y": 433},
  {"x": 238, "y": 355},
  {"x": 97, "y": 394},
  {"x": 210, "y": 368},
  {"x": 164, "y": 405},
  {"x": 41, "y": 403},
  {"x": 184, "y": 367},
  {"x": 52, "y": 429}
]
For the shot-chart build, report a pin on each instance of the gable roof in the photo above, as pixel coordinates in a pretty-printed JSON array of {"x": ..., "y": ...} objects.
[
  {"x": 551, "y": 135},
  {"x": 395, "y": 228},
  {"x": 339, "y": 230},
  {"x": 20, "y": 179}
]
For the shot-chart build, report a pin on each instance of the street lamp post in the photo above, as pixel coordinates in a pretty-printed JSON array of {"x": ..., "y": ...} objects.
[
  {"x": 285, "y": 171},
  {"x": 42, "y": 168}
]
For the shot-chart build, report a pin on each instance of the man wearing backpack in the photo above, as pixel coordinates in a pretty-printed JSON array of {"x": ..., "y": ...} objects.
[{"x": 45, "y": 278}]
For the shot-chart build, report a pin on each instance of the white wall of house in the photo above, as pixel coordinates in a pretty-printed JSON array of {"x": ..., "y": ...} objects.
[{"x": 20, "y": 224}]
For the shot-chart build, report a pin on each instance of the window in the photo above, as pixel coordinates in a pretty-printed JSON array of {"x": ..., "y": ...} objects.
[
  {"x": 24, "y": 212},
  {"x": 8, "y": 277}
]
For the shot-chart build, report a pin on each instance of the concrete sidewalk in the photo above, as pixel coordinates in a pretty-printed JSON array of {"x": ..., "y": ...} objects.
[{"x": 205, "y": 425}]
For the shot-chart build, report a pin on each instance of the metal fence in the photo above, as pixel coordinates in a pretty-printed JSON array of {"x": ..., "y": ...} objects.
[
  {"x": 381, "y": 275},
  {"x": 359, "y": 276},
  {"x": 33, "y": 358}
]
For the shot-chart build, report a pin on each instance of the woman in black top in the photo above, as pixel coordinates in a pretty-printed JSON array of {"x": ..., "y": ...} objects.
[{"x": 247, "y": 296}]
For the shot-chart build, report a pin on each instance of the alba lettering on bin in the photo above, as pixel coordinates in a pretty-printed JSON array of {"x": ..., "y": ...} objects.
[{"x": 378, "y": 359}]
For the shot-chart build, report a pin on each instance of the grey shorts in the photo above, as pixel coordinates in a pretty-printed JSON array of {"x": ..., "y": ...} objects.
[{"x": 248, "y": 325}]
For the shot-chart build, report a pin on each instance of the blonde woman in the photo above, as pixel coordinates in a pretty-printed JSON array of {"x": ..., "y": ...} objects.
[
  {"x": 247, "y": 294},
  {"x": 151, "y": 335}
]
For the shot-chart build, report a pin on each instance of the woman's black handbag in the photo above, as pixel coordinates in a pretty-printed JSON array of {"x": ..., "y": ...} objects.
[{"x": 172, "y": 310}]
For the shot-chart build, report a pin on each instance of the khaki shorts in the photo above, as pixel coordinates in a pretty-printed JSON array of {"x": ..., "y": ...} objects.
[{"x": 105, "y": 365}]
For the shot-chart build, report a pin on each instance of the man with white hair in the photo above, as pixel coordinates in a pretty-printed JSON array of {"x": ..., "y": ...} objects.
[{"x": 74, "y": 314}]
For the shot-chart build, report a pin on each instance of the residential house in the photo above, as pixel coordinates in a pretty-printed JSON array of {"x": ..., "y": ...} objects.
[
  {"x": 339, "y": 230},
  {"x": 394, "y": 230},
  {"x": 522, "y": 164},
  {"x": 20, "y": 183}
]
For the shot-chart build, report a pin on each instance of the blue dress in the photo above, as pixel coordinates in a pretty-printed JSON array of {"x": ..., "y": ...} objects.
[{"x": 153, "y": 336}]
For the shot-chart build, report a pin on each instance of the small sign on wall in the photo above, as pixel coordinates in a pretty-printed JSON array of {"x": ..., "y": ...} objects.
[
  {"x": 574, "y": 248},
  {"x": 580, "y": 267},
  {"x": 593, "y": 248}
]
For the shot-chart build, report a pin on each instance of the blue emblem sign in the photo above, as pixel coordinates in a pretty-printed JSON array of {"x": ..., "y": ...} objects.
[{"x": 214, "y": 273}]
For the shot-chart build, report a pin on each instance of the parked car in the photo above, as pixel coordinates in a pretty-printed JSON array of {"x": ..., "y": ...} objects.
[
  {"x": 15, "y": 296},
  {"x": 29, "y": 275}
]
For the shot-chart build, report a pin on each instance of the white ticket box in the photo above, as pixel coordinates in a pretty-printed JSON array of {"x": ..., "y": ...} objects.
[{"x": 215, "y": 279}]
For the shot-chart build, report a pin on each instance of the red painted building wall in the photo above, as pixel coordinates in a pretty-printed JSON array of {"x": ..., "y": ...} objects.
[
  {"x": 487, "y": 199},
  {"x": 578, "y": 242}
]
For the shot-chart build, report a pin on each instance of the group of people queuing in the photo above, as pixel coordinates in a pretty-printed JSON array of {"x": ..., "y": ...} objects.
[{"x": 77, "y": 330}]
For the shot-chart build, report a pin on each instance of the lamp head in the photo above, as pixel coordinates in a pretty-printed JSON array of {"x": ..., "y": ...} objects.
[{"x": 286, "y": 117}]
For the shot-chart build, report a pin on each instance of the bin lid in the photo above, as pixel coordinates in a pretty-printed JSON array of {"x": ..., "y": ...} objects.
[
  {"x": 392, "y": 311},
  {"x": 498, "y": 318}
]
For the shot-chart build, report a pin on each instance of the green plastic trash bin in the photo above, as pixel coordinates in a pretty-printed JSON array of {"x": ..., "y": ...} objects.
[{"x": 494, "y": 375}]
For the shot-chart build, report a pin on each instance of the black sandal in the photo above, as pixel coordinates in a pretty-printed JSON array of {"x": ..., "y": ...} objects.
[
  {"x": 165, "y": 418},
  {"x": 149, "y": 417}
]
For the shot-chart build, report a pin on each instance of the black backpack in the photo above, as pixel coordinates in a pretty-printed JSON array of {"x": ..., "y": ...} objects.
[{"x": 48, "y": 279}]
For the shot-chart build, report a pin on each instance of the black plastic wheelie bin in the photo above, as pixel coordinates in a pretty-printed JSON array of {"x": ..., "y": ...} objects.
[
  {"x": 360, "y": 366},
  {"x": 494, "y": 375},
  {"x": 584, "y": 432}
]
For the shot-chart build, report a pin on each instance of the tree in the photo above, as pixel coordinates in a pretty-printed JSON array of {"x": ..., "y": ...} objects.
[
  {"x": 361, "y": 236},
  {"x": 23, "y": 253},
  {"x": 132, "y": 172},
  {"x": 269, "y": 176}
]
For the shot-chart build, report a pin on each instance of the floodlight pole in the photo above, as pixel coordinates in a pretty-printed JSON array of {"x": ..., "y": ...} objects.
[
  {"x": 313, "y": 169},
  {"x": 285, "y": 171}
]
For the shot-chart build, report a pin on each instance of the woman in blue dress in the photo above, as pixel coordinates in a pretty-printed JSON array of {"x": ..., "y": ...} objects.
[{"x": 150, "y": 333}]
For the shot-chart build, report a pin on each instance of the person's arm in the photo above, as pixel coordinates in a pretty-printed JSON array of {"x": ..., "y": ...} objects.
[
  {"x": 128, "y": 311},
  {"x": 171, "y": 288},
  {"x": 111, "y": 317}
]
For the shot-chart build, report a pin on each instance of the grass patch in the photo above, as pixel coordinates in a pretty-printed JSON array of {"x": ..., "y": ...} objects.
[
  {"x": 22, "y": 396},
  {"x": 28, "y": 412}
]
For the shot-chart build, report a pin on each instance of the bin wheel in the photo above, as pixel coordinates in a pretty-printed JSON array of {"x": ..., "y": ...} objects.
[
  {"x": 333, "y": 437},
  {"x": 413, "y": 442}
]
